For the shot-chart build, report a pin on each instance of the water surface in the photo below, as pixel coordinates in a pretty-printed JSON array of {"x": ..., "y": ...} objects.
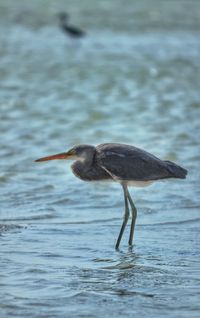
[{"x": 133, "y": 79}]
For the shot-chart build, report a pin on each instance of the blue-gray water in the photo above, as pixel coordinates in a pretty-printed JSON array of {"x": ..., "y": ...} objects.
[{"x": 134, "y": 79}]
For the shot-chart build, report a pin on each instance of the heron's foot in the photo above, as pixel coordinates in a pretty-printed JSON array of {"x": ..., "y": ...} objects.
[
  {"x": 130, "y": 248},
  {"x": 130, "y": 242}
]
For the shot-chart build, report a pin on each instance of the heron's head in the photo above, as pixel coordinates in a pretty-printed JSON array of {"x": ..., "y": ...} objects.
[{"x": 80, "y": 152}]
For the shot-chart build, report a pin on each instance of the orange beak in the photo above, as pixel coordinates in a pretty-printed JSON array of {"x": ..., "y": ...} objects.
[{"x": 64, "y": 155}]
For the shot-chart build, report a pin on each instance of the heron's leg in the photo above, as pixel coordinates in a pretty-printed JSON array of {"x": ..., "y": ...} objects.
[
  {"x": 134, "y": 216},
  {"x": 126, "y": 216}
]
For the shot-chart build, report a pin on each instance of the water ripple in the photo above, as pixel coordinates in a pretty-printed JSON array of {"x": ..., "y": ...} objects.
[{"x": 134, "y": 81}]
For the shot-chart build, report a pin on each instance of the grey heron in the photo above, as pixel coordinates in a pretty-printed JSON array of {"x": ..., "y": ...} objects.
[{"x": 128, "y": 165}]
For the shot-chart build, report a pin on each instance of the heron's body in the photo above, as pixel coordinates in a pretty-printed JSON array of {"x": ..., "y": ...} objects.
[
  {"x": 124, "y": 163},
  {"x": 128, "y": 165}
]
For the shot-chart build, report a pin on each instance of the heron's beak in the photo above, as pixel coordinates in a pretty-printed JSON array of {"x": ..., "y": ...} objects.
[{"x": 64, "y": 155}]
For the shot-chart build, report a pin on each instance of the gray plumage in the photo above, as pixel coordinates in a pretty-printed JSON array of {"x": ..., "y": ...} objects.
[{"x": 125, "y": 164}]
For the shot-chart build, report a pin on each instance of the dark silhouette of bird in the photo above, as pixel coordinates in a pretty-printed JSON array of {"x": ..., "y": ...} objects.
[
  {"x": 70, "y": 30},
  {"x": 128, "y": 165}
]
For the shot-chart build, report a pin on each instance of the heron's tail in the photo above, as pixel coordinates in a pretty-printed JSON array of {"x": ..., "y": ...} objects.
[{"x": 175, "y": 170}]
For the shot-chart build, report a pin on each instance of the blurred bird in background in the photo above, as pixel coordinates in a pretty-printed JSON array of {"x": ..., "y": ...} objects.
[{"x": 70, "y": 30}]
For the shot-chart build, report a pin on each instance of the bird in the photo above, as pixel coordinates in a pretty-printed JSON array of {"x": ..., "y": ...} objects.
[
  {"x": 125, "y": 164},
  {"x": 70, "y": 30}
]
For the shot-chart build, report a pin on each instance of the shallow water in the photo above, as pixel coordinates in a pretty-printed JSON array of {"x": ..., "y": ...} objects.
[{"x": 133, "y": 79}]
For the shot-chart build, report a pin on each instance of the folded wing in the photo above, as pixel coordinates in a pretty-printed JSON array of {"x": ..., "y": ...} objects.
[{"x": 124, "y": 162}]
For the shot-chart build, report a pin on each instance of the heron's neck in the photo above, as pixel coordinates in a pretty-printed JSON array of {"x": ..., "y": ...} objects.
[
  {"x": 85, "y": 162},
  {"x": 81, "y": 168}
]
